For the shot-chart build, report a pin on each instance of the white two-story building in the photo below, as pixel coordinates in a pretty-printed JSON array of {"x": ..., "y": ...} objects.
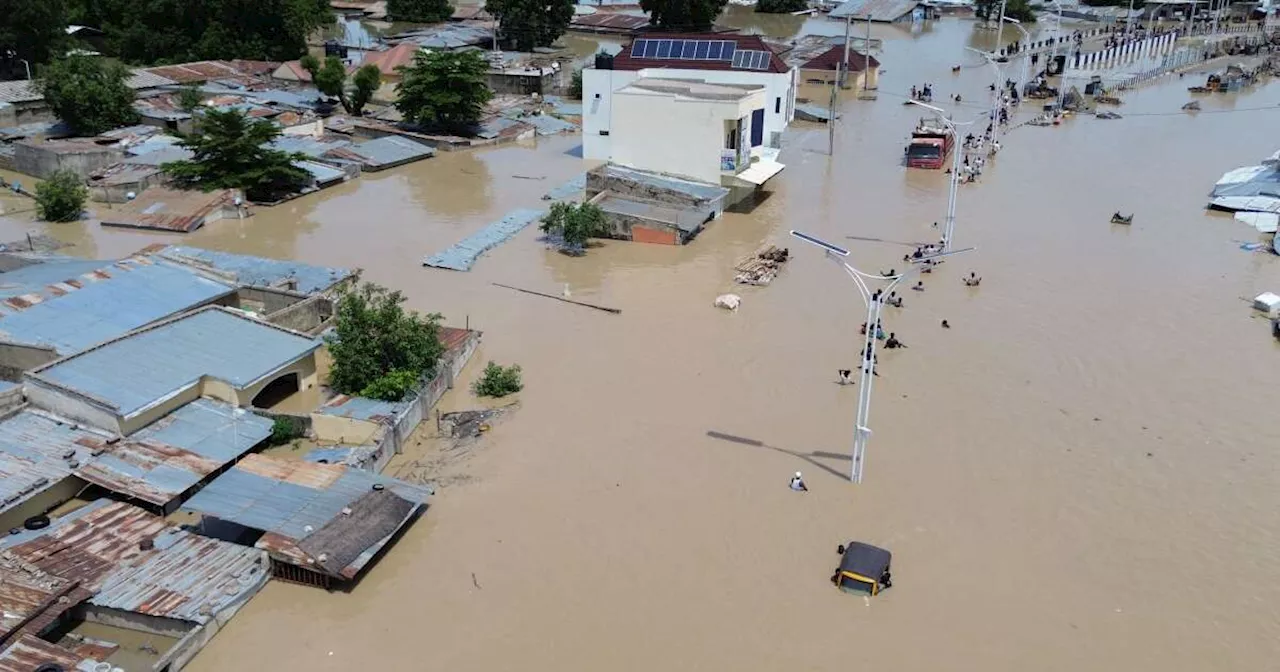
[{"x": 727, "y": 59}]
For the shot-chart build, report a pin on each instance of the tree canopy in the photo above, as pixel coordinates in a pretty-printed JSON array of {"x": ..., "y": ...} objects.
[
  {"x": 780, "y": 6},
  {"x": 686, "y": 15},
  {"x": 60, "y": 198},
  {"x": 331, "y": 79},
  {"x": 444, "y": 89},
  {"x": 34, "y": 30},
  {"x": 173, "y": 31},
  {"x": 231, "y": 152},
  {"x": 379, "y": 349},
  {"x": 531, "y": 23},
  {"x": 573, "y": 224},
  {"x": 419, "y": 11},
  {"x": 989, "y": 10},
  {"x": 89, "y": 94}
]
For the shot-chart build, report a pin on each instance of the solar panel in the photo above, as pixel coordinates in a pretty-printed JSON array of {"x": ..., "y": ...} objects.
[
  {"x": 689, "y": 47},
  {"x": 702, "y": 49},
  {"x": 694, "y": 50},
  {"x": 761, "y": 59},
  {"x": 639, "y": 47},
  {"x": 664, "y": 49},
  {"x": 727, "y": 53}
]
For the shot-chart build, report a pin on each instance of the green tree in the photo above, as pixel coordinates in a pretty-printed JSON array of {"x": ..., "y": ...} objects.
[
  {"x": 573, "y": 224},
  {"x": 444, "y": 89},
  {"x": 685, "y": 15},
  {"x": 531, "y": 23},
  {"x": 331, "y": 79},
  {"x": 34, "y": 30},
  {"x": 780, "y": 6},
  {"x": 575, "y": 85},
  {"x": 378, "y": 347},
  {"x": 189, "y": 97},
  {"x": 989, "y": 10},
  {"x": 498, "y": 381},
  {"x": 88, "y": 93},
  {"x": 419, "y": 11},
  {"x": 231, "y": 152},
  {"x": 171, "y": 31},
  {"x": 61, "y": 197}
]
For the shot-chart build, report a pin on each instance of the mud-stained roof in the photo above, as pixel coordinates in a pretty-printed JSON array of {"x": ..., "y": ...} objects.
[
  {"x": 308, "y": 509},
  {"x": 173, "y": 454},
  {"x": 25, "y": 592},
  {"x": 878, "y": 10},
  {"x": 134, "y": 561},
  {"x": 135, "y": 371},
  {"x": 38, "y": 451}
]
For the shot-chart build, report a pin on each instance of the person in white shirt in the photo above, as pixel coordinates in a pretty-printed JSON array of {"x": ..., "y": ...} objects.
[{"x": 797, "y": 483}]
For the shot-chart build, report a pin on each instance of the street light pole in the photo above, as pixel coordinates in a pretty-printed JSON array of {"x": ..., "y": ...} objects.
[
  {"x": 997, "y": 92},
  {"x": 948, "y": 231},
  {"x": 1026, "y": 39},
  {"x": 862, "y": 432}
]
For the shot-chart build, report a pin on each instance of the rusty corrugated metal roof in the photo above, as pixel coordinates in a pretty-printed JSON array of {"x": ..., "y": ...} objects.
[
  {"x": 28, "y": 653},
  {"x": 181, "y": 575}
]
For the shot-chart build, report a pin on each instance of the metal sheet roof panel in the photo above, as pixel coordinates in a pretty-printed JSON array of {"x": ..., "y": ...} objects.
[
  {"x": 36, "y": 451},
  {"x": 260, "y": 271},
  {"x": 133, "y": 372}
]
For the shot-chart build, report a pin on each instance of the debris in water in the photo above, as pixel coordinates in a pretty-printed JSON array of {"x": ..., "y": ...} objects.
[
  {"x": 1193, "y": 106},
  {"x": 728, "y": 301},
  {"x": 762, "y": 267},
  {"x": 474, "y": 582},
  {"x": 615, "y": 311},
  {"x": 468, "y": 424}
]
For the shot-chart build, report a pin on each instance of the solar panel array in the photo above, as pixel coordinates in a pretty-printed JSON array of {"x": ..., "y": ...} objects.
[
  {"x": 685, "y": 50},
  {"x": 751, "y": 59}
]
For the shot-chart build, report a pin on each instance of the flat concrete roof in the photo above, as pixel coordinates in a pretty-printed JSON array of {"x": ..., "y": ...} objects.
[{"x": 692, "y": 88}]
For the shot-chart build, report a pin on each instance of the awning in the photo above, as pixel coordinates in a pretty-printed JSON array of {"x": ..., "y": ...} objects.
[{"x": 760, "y": 172}]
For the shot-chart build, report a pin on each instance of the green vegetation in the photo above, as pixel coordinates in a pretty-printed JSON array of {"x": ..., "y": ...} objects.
[
  {"x": 781, "y": 6},
  {"x": 174, "y": 31},
  {"x": 231, "y": 152},
  {"x": 575, "y": 85},
  {"x": 284, "y": 430},
  {"x": 189, "y": 97},
  {"x": 61, "y": 197},
  {"x": 989, "y": 10},
  {"x": 531, "y": 23},
  {"x": 574, "y": 224},
  {"x": 443, "y": 89},
  {"x": 683, "y": 15},
  {"x": 498, "y": 381},
  {"x": 35, "y": 30},
  {"x": 88, "y": 93},
  {"x": 419, "y": 11},
  {"x": 331, "y": 78},
  {"x": 379, "y": 349}
]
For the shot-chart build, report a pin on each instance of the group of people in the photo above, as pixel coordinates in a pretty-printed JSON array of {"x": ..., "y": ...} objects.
[{"x": 922, "y": 93}]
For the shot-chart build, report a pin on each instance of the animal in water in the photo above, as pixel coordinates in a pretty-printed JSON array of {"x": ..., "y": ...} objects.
[{"x": 1118, "y": 218}]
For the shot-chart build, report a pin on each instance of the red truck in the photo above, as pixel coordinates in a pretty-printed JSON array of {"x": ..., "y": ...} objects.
[{"x": 930, "y": 144}]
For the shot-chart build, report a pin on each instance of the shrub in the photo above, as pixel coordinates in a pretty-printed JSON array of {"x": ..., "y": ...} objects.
[
  {"x": 284, "y": 430},
  {"x": 575, "y": 85},
  {"x": 574, "y": 224},
  {"x": 498, "y": 381},
  {"x": 60, "y": 198},
  {"x": 393, "y": 386}
]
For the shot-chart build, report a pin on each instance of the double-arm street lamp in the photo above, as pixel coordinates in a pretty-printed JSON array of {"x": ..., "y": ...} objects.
[
  {"x": 1026, "y": 58},
  {"x": 874, "y": 302},
  {"x": 948, "y": 231}
]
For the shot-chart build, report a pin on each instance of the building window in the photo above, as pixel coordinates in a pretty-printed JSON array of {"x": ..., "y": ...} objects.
[
  {"x": 604, "y": 132},
  {"x": 777, "y": 105}
]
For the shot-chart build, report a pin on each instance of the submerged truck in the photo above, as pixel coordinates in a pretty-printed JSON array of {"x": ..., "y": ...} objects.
[{"x": 930, "y": 144}]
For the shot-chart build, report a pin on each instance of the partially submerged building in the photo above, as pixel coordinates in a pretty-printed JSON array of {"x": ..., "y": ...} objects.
[
  {"x": 321, "y": 524},
  {"x": 126, "y": 383},
  {"x": 115, "y": 564},
  {"x": 173, "y": 210},
  {"x": 653, "y": 208},
  {"x": 884, "y": 11},
  {"x": 863, "y": 70}
]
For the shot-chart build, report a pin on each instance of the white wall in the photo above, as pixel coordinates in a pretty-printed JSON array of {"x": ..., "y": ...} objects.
[
  {"x": 670, "y": 134},
  {"x": 598, "y": 87}
]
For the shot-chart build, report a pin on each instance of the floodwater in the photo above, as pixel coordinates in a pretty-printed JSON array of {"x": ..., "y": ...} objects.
[{"x": 1079, "y": 475}]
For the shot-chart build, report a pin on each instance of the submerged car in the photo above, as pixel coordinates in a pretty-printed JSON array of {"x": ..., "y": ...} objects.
[{"x": 863, "y": 568}]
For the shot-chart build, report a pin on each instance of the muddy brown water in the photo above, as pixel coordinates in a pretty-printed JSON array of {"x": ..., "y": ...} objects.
[{"x": 1080, "y": 474}]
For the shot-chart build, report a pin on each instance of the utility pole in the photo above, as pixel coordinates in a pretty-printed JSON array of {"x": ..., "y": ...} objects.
[
  {"x": 848, "y": 26},
  {"x": 831, "y": 114},
  {"x": 866, "y": 57},
  {"x": 1000, "y": 28}
]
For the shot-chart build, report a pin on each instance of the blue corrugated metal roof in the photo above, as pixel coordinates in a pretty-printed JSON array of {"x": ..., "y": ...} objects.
[
  {"x": 323, "y": 174},
  {"x": 132, "y": 294},
  {"x": 362, "y": 408},
  {"x": 302, "y": 99},
  {"x": 392, "y": 150},
  {"x": 261, "y": 271},
  {"x": 312, "y": 147},
  {"x": 492, "y": 128},
  {"x": 292, "y": 499},
  {"x": 32, "y": 449},
  {"x": 134, "y": 372},
  {"x": 36, "y": 278},
  {"x": 173, "y": 454},
  {"x": 549, "y": 125},
  {"x": 463, "y": 255},
  {"x": 569, "y": 189},
  {"x": 561, "y": 105},
  {"x": 5, "y": 386}
]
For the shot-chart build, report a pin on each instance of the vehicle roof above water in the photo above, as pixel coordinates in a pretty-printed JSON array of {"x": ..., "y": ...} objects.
[{"x": 865, "y": 559}]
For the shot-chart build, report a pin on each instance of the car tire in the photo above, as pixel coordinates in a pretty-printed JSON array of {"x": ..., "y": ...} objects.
[{"x": 36, "y": 522}]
